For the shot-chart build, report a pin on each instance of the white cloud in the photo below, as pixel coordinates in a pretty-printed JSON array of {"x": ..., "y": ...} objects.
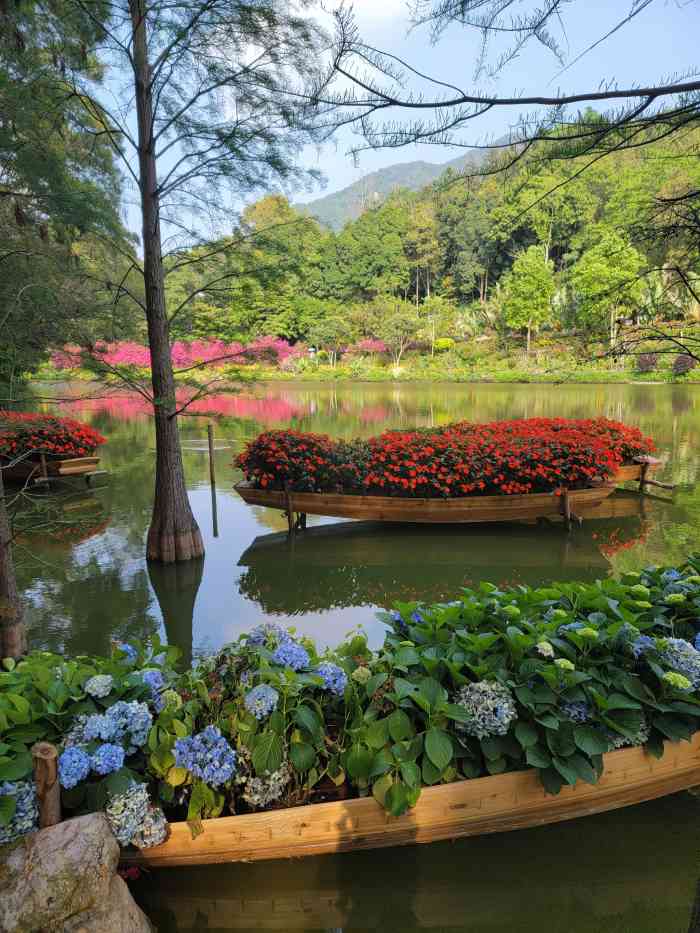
[{"x": 373, "y": 11}]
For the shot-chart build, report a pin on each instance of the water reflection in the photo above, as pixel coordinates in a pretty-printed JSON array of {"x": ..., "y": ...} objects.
[
  {"x": 87, "y": 589},
  {"x": 176, "y": 587},
  {"x": 628, "y": 871}
]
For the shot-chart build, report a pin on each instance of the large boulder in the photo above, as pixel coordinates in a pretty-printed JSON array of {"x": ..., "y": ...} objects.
[{"x": 63, "y": 880}]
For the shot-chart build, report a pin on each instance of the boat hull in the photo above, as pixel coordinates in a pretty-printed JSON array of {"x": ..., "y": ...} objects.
[
  {"x": 494, "y": 804},
  {"x": 34, "y": 469},
  {"x": 430, "y": 511}
]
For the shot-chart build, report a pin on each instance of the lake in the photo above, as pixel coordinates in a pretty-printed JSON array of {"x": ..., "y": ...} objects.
[{"x": 88, "y": 584}]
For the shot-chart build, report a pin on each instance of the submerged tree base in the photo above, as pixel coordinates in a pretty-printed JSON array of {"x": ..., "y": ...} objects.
[{"x": 168, "y": 545}]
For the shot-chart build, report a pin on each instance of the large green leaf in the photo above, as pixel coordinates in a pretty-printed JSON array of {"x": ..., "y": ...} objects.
[
  {"x": 359, "y": 762},
  {"x": 590, "y": 740},
  {"x": 526, "y": 734},
  {"x": 438, "y": 747},
  {"x": 268, "y": 753},
  {"x": 400, "y": 726},
  {"x": 302, "y": 755},
  {"x": 308, "y": 719}
]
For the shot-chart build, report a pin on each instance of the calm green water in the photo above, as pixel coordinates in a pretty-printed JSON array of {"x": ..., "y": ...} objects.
[{"x": 634, "y": 870}]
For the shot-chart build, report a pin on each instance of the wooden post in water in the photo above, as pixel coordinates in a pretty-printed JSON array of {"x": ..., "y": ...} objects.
[
  {"x": 210, "y": 439},
  {"x": 48, "y": 790}
]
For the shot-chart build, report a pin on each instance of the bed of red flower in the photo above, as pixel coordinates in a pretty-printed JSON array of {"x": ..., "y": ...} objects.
[
  {"x": 529, "y": 456},
  {"x": 33, "y": 443}
]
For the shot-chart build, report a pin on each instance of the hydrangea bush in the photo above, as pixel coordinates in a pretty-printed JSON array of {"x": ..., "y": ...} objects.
[{"x": 498, "y": 680}]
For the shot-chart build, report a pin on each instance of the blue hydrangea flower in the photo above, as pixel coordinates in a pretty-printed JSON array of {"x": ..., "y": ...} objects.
[
  {"x": 129, "y": 650},
  {"x": 291, "y": 654},
  {"x": 682, "y": 657},
  {"x": 73, "y": 766},
  {"x": 577, "y": 710},
  {"x": 130, "y": 722},
  {"x": 490, "y": 706},
  {"x": 107, "y": 758},
  {"x": 399, "y": 623},
  {"x": 207, "y": 755},
  {"x": 155, "y": 681},
  {"x": 642, "y": 644},
  {"x": 267, "y": 633},
  {"x": 25, "y": 819},
  {"x": 261, "y": 700},
  {"x": 696, "y": 642},
  {"x": 671, "y": 575},
  {"x": 417, "y": 617},
  {"x": 126, "y": 812},
  {"x": 99, "y": 686},
  {"x": 335, "y": 679},
  {"x": 570, "y": 627}
]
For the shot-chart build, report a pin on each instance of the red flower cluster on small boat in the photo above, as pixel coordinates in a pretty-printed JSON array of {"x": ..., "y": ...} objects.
[
  {"x": 26, "y": 432},
  {"x": 498, "y": 458}
]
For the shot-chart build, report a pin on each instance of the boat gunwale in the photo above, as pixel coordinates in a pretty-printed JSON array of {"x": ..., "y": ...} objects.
[{"x": 479, "y": 806}]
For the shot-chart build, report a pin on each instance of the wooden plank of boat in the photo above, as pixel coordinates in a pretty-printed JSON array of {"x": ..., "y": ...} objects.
[
  {"x": 397, "y": 509},
  {"x": 494, "y": 804}
]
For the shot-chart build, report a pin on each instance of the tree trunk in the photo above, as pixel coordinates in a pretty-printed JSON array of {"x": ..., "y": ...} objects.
[
  {"x": 12, "y": 630},
  {"x": 173, "y": 534},
  {"x": 529, "y": 333}
]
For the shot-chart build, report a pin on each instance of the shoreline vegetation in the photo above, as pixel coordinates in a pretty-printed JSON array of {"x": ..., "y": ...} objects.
[
  {"x": 496, "y": 681},
  {"x": 228, "y": 366}
]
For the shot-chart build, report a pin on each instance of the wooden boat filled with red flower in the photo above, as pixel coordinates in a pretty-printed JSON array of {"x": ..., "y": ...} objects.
[
  {"x": 37, "y": 448},
  {"x": 502, "y": 471},
  {"x": 494, "y": 804}
]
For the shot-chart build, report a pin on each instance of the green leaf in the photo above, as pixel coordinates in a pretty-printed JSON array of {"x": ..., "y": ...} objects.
[
  {"x": 12, "y": 769},
  {"x": 620, "y": 701},
  {"x": 359, "y": 762},
  {"x": 438, "y": 747},
  {"x": 496, "y": 765},
  {"x": 526, "y": 734},
  {"x": 590, "y": 740},
  {"x": 400, "y": 726},
  {"x": 406, "y": 657},
  {"x": 308, "y": 719},
  {"x": 551, "y": 780},
  {"x": 377, "y": 734},
  {"x": 492, "y": 747},
  {"x": 584, "y": 769},
  {"x": 176, "y": 776},
  {"x": 374, "y": 683},
  {"x": 672, "y": 727},
  {"x": 566, "y": 769},
  {"x": 655, "y": 745},
  {"x": 396, "y": 799},
  {"x": 431, "y": 774},
  {"x": 268, "y": 753},
  {"x": 302, "y": 755},
  {"x": 404, "y": 688},
  {"x": 381, "y": 763},
  {"x": 410, "y": 772},
  {"x": 8, "y": 806},
  {"x": 380, "y": 787},
  {"x": 433, "y": 691},
  {"x": 537, "y": 757},
  {"x": 457, "y": 712}
]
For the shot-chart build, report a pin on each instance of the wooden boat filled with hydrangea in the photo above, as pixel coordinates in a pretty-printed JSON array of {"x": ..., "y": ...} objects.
[
  {"x": 500, "y": 710},
  {"x": 501, "y": 471}
]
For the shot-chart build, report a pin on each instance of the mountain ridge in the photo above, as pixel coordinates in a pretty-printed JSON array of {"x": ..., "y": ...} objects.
[{"x": 336, "y": 209}]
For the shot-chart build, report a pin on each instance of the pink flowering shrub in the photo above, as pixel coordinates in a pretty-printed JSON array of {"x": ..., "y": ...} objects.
[
  {"x": 368, "y": 345},
  {"x": 185, "y": 355}
]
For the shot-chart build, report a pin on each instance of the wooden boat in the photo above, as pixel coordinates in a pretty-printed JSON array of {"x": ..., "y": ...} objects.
[
  {"x": 459, "y": 510},
  {"x": 45, "y": 469},
  {"x": 499, "y": 803}
]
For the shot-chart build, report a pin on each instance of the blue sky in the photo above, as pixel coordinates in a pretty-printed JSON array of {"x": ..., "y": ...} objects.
[{"x": 660, "y": 42}]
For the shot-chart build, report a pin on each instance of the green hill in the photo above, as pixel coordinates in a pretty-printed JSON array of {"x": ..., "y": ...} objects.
[{"x": 335, "y": 210}]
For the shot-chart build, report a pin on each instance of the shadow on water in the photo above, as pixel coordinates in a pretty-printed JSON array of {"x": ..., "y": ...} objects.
[
  {"x": 176, "y": 587},
  {"x": 629, "y": 871},
  {"x": 351, "y": 563}
]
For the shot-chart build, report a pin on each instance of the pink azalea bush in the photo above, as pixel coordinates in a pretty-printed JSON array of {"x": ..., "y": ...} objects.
[{"x": 185, "y": 354}]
